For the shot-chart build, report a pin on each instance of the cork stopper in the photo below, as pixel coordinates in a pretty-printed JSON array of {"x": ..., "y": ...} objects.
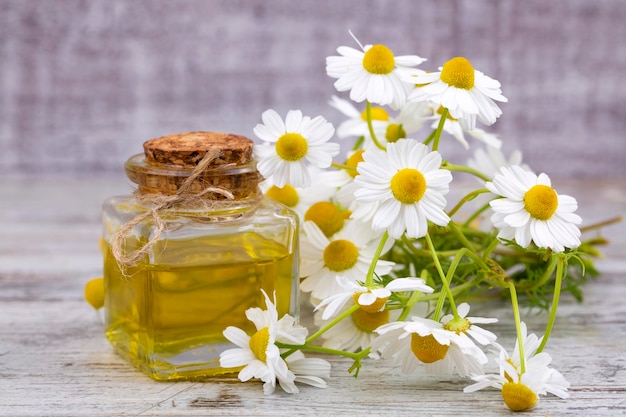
[
  {"x": 187, "y": 149},
  {"x": 168, "y": 161}
]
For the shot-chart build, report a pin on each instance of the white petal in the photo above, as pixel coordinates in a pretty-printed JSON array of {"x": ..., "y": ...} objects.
[
  {"x": 237, "y": 336},
  {"x": 273, "y": 121},
  {"x": 234, "y": 358}
]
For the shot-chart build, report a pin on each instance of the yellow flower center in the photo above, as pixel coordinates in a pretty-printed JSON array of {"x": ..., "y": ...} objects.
[
  {"x": 379, "y": 60},
  {"x": 94, "y": 292},
  {"x": 291, "y": 147},
  {"x": 427, "y": 349},
  {"x": 368, "y": 322},
  {"x": 408, "y": 185},
  {"x": 541, "y": 202},
  {"x": 458, "y": 72},
  {"x": 340, "y": 255},
  {"x": 518, "y": 397},
  {"x": 259, "y": 342},
  {"x": 458, "y": 325},
  {"x": 353, "y": 160},
  {"x": 375, "y": 307},
  {"x": 286, "y": 195},
  {"x": 326, "y": 216},
  {"x": 394, "y": 132},
  {"x": 376, "y": 113}
]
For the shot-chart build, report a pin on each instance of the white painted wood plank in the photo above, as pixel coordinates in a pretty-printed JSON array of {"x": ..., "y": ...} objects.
[{"x": 55, "y": 361}]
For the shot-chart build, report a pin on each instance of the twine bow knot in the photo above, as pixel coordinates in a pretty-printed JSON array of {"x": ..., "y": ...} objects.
[{"x": 160, "y": 203}]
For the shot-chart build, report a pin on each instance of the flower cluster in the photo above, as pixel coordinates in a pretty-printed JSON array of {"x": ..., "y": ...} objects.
[{"x": 388, "y": 267}]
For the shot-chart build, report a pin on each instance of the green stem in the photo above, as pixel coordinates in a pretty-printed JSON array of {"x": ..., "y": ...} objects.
[
  {"x": 518, "y": 327},
  {"x": 544, "y": 278},
  {"x": 320, "y": 349},
  {"x": 468, "y": 197},
  {"x": 463, "y": 168},
  {"x": 604, "y": 223},
  {"x": 442, "y": 121},
  {"x": 492, "y": 246},
  {"x": 442, "y": 275},
  {"x": 560, "y": 271},
  {"x": 439, "y": 306},
  {"x": 331, "y": 324},
  {"x": 424, "y": 253},
  {"x": 459, "y": 235},
  {"x": 369, "y": 278},
  {"x": 370, "y": 126},
  {"x": 409, "y": 305},
  {"x": 358, "y": 143},
  {"x": 349, "y": 169},
  {"x": 477, "y": 213},
  {"x": 430, "y": 137}
]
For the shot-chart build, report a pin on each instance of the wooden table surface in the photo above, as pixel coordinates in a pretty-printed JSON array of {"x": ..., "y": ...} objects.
[{"x": 55, "y": 360}]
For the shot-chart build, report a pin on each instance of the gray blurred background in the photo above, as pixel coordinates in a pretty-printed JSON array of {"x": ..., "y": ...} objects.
[{"x": 84, "y": 83}]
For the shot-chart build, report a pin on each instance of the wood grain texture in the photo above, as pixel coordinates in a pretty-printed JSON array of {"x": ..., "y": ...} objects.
[
  {"x": 84, "y": 83},
  {"x": 55, "y": 361}
]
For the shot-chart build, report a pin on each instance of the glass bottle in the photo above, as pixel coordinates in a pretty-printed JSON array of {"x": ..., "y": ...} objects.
[{"x": 190, "y": 251}]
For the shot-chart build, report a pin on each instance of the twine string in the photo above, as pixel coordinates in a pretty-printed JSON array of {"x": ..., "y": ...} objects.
[{"x": 161, "y": 203}]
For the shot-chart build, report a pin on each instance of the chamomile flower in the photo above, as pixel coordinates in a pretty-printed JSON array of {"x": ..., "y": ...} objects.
[
  {"x": 348, "y": 254},
  {"x": 369, "y": 299},
  {"x": 291, "y": 146},
  {"x": 466, "y": 327},
  {"x": 373, "y": 73},
  {"x": 468, "y": 94},
  {"x": 408, "y": 183},
  {"x": 521, "y": 390},
  {"x": 430, "y": 343},
  {"x": 258, "y": 353},
  {"x": 531, "y": 210}
]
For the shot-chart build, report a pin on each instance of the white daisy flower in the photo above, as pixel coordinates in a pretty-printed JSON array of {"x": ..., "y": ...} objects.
[
  {"x": 467, "y": 93},
  {"x": 467, "y": 325},
  {"x": 349, "y": 254},
  {"x": 374, "y": 74},
  {"x": 521, "y": 390},
  {"x": 369, "y": 299},
  {"x": 408, "y": 183},
  {"x": 258, "y": 353},
  {"x": 531, "y": 210},
  {"x": 440, "y": 350},
  {"x": 291, "y": 146}
]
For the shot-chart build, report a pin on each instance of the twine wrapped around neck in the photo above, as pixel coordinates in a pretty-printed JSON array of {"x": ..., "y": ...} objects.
[{"x": 162, "y": 202}]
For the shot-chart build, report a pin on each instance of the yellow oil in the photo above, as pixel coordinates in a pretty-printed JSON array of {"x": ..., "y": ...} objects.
[{"x": 166, "y": 315}]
